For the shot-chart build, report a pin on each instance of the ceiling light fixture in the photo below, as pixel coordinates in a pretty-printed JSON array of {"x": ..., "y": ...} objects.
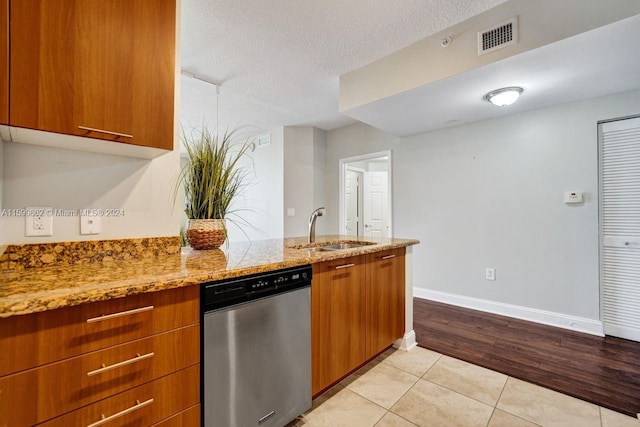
[{"x": 504, "y": 96}]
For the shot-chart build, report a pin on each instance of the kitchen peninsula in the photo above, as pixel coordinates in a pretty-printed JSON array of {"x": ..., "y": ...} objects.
[{"x": 129, "y": 316}]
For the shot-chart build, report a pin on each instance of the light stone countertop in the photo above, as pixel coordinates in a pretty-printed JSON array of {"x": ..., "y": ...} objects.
[{"x": 45, "y": 288}]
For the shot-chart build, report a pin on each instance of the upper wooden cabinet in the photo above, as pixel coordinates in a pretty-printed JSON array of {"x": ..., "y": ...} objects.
[
  {"x": 97, "y": 68},
  {"x": 4, "y": 62}
]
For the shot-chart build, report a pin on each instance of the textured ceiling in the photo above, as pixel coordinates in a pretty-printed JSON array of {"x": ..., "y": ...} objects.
[
  {"x": 278, "y": 62},
  {"x": 595, "y": 63}
]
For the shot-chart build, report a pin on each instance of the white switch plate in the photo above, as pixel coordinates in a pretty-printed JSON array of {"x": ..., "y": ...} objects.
[
  {"x": 490, "y": 274},
  {"x": 38, "y": 222},
  {"x": 90, "y": 224},
  {"x": 291, "y": 212},
  {"x": 573, "y": 196}
]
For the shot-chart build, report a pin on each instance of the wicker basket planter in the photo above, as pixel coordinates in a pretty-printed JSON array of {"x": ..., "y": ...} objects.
[{"x": 206, "y": 233}]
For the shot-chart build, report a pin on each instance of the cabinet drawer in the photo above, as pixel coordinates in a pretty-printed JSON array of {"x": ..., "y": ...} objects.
[
  {"x": 386, "y": 256},
  {"x": 36, "y": 339},
  {"x": 158, "y": 399},
  {"x": 187, "y": 418},
  {"x": 42, "y": 393},
  {"x": 338, "y": 267}
]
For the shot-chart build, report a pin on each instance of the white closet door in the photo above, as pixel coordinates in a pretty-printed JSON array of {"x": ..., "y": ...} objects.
[{"x": 620, "y": 227}]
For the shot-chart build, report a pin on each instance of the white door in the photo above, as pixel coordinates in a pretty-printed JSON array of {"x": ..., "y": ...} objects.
[
  {"x": 620, "y": 227},
  {"x": 351, "y": 203},
  {"x": 376, "y": 205}
]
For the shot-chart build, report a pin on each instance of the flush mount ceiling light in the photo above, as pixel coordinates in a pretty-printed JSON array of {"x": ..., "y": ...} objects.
[{"x": 504, "y": 96}]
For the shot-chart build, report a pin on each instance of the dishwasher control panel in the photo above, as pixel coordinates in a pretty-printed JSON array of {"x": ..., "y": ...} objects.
[{"x": 229, "y": 292}]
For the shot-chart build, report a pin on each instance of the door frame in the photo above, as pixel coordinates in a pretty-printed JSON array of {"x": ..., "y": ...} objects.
[{"x": 342, "y": 167}]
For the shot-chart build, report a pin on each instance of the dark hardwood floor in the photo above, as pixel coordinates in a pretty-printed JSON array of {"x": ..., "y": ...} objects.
[{"x": 605, "y": 371}]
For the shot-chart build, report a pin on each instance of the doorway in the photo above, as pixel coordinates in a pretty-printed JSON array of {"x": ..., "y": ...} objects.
[{"x": 365, "y": 196}]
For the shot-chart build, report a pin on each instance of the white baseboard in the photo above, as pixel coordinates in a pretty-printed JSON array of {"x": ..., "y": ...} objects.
[
  {"x": 565, "y": 321},
  {"x": 407, "y": 342}
]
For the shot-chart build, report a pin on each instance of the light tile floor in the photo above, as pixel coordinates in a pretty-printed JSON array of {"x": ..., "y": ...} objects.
[{"x": 424, "y": 388}]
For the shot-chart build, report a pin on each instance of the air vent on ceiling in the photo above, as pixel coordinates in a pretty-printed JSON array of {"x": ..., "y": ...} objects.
[{"x": 498, "y": 36}]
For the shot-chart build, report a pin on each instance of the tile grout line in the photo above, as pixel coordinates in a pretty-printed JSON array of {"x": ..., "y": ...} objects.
[
  {"x": 518, "y": 416},
  {"x": 600, "y": 413},
  {"x": 462, "y": 394},
  {"x": 404, "y": 394}
]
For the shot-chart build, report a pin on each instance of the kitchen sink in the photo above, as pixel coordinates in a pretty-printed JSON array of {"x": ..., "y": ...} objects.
[
  {"x": 332, "y": 246},
  {"x": 339, "y": 246}
]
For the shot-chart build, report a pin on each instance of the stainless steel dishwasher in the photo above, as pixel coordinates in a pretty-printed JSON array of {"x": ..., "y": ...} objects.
[{"x": 256, "y": 349}]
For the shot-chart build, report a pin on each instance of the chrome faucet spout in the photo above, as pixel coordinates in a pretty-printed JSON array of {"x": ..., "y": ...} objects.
[{"x": 312, "y": 223}]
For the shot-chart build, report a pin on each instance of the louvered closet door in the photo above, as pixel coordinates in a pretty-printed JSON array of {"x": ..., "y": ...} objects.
[{"x": 620, "y": 227}]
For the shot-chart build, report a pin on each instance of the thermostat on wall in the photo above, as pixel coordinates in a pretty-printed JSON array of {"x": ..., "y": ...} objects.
[{"x": 573, "y": 196}]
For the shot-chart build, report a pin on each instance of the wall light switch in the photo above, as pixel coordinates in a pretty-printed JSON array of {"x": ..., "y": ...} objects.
[
  {"x": 291, "y": 212},
  {"x": 573, "y": 196},
  {"x": 90, "y": 225}
]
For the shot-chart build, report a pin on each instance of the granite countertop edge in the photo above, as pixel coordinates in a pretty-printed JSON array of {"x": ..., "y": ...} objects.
[{"x": 47, "y": 288}]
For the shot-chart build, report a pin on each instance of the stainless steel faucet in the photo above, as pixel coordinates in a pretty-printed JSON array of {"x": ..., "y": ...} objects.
[{"x": 312, "y": 223}]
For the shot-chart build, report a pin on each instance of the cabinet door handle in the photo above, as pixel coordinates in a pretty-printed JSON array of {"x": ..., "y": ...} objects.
[
  {"x": 135, "y": 407},
  {"x": 108, "y": 132},
  {"x": 120, "y": 314},
  {"x": 120, "y": 364},
  {"x": 344, "y": 266},
  {"x": 388, "y": 256}
]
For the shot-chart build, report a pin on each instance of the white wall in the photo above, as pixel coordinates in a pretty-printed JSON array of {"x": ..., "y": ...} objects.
[
  {"x": 319, "y": 177},
  {"x": 71, "y": 180},
  {"x": 261, "y": 202},
  {"x": 489, "y": 194},
  {"x": 304, "y": 155}
]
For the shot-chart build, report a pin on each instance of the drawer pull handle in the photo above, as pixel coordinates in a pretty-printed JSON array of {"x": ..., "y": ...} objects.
[
  {"x": 135, "y": 407},
  {"x": 120, "y": 364},
  {"x": 344, "y": 266},
  {"x": 120, "y": 314},
  {"x": 388, "y": 257},
  {"x": 108, "y": 132}
]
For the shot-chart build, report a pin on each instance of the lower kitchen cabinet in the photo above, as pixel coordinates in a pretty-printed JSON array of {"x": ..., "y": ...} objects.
[
  {"x": 385, "y": 299},
  {"x": 143, "y": 405},
  {"x": 337, "y": 320},
  {"x": 125, "y": 361},
  {"x": 187, "y": 418},
  {"x": 357, "y": 311}
]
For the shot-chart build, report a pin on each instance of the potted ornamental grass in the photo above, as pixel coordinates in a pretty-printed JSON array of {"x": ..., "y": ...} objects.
[{"x": 212, "y": 177}]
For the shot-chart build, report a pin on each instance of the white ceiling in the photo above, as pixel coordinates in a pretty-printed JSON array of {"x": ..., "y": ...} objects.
[
  {"x": 278, "y": 62},
  {"x": 595, "y": 63}
]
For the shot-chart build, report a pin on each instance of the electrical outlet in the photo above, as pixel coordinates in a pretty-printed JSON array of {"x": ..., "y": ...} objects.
[
  {"x": 38, "y": 222},
  {"x": 490, "y": 274}
]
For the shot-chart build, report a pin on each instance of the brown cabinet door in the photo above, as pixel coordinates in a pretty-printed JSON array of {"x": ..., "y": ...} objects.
[
  {"x": 4, "y": 62},
  {"x": 97, "y": 68},
  {"x": 337, "y": 320},
  {"x": 385, "y": 299}
]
